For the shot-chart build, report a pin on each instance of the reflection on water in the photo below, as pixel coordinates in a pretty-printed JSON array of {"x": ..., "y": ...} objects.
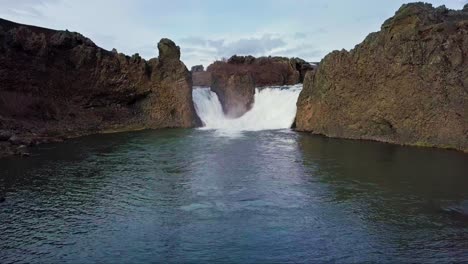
[{"x": 266, "y": 196}]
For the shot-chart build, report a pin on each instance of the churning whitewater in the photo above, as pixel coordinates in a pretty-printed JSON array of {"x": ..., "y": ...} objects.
[{"x": 274, "y": 108}]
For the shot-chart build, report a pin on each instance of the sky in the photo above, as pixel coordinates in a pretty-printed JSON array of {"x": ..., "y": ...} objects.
[{"x": 208, "y": 30}]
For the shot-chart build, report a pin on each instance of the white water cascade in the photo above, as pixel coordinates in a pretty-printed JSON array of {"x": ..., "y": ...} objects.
[{"x": 274, "y": 108}]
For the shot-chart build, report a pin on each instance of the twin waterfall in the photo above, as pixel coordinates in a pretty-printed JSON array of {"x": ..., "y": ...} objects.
[{"x": 274, "y": 108}]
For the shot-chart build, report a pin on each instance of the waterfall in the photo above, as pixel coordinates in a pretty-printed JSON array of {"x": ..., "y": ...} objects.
[{"x": 274, "y": 108}]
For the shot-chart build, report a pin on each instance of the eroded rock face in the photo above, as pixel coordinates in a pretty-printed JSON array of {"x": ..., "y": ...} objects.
[
  {"x": 406, "y": 84},
  {"x": 59, "y": 84},
  {"x": 241, "y": 74},
  {"x": 266, "y": 71},
  {"x": 235, "y": 92},
  {"x": 200, "y": 77}
]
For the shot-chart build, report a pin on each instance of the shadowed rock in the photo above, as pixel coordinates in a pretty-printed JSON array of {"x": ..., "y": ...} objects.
[{"x": 200, "y": 77}]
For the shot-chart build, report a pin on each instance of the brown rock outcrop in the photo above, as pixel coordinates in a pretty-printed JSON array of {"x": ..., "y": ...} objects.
[
  {"x": 200, "y": 77},
  {"x": 235, "y": 92},
  {"x": 239, "y": 75},
  {"x": 59, "y": 84},
  {"x": 197, "y": 68},
  {"x": 266, "y": 71},
  {"x": 406, "y": 84}
]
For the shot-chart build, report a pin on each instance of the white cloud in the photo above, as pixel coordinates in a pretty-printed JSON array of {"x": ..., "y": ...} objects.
[{"x": 304, "y": 28}]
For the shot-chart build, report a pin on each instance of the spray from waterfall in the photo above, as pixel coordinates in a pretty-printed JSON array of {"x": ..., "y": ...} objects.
[{"x": 274, "y": 108}]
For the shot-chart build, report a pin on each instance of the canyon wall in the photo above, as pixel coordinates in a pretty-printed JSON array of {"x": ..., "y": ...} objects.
[
  {"x": 406, "y": 84},
  {"x": 59, "y": 84}
]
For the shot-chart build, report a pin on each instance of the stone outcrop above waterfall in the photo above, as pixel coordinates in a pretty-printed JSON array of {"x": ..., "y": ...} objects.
[
  {"x": 200, "y": 77},
  {"x": 406, "y": 84},
  {"x": 59, "y": 84},
  {"x": 266, "y": 71},
  {"x": 239, "y": 75},
  {"x": 235, "y": 92}
]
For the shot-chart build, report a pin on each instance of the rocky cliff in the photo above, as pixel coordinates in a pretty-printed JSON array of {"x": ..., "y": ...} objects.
[
  {"x": 234, "y": 80},
  {"x": 59, "y": 84},
  {"x": 406, "y": 84}
]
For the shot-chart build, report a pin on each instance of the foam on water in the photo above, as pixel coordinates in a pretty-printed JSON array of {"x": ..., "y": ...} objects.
[{"x": 274, "y": 108}]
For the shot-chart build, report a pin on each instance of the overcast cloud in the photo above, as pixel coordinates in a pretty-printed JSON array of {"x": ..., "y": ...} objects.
[{"x": 208, "y": 30}]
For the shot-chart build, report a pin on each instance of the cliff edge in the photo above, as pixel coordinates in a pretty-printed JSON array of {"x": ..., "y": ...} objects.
[
  {"x": 406, "y": 84},
  {"x": 59, "y": 84}
]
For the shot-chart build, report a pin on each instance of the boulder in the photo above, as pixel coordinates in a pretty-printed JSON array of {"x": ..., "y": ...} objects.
[
  {"x": 406, "y": 84},
  {"x": 5, "y": 135}
]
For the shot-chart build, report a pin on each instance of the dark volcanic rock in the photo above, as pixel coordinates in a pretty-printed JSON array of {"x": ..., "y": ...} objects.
[
  {"x": 406, "y": 84},
  {"x": 200, "y": 77},
  {"x": 60, "y": 84},
  {"x": 235, "y": 92},
  {"x": 258, "y": 72}
]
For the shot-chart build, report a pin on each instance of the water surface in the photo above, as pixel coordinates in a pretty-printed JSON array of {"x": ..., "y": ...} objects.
[{"x": 194, "y": 196}]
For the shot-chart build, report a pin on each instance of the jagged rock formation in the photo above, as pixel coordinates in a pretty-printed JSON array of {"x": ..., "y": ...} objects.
[
  {"x": 59, "y": 84},
  {"x": 234, "y": 80},
  {"x": 197, "y": 68},
  {"x": 266, "y": 71},
  {"x": 235, "y": 92},
  {"x": 407, "y": 84}
]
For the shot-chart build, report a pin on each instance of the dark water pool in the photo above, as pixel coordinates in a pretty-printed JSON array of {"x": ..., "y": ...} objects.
[{"x": 194, "y": 196}]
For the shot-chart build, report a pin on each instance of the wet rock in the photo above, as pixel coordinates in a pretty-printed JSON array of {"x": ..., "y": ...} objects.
[
  {"x": 405, "y": 84},
  {"x": 266, "y": 71},
  {"x": 22, "y": 140},
  {"x": 235, "y": 92},
  {"x": 15, "y": 140},
  {"x": 6, "y": 149},
  {"x": 23, "y": 151},
  {"x": 458, "y": 211}
]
